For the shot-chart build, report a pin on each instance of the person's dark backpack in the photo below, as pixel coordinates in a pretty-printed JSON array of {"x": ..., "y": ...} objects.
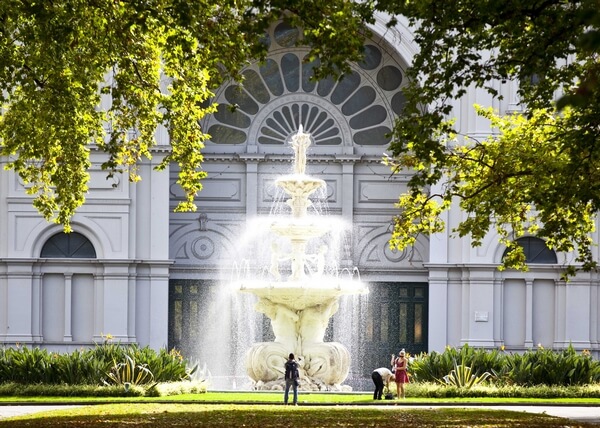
[{"x": 291, "y": 370}]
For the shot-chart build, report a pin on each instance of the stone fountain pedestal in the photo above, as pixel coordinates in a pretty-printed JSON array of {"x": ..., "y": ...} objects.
[{"x": 299, "y": 317}]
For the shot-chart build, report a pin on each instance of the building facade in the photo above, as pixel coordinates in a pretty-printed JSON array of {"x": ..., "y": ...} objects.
[{"x": 144, "y": 274}]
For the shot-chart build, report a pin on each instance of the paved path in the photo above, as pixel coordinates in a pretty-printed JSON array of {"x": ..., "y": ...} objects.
[
  {"x": 589, "y": 414},
  {"x": 27, "y": 409}
]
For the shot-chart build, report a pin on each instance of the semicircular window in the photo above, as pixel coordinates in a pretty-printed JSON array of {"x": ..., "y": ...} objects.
[
  {"x": 68, "y": 245},
  {"x": 536, "y": 251},
  {"x": 279, "y": 95}
]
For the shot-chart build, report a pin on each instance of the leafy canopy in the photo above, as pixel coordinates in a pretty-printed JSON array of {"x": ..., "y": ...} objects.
[
  {"x": 154, "y": 63},
  {"x": 158, "y": 61},
  {"x": 539, "y": 173}
]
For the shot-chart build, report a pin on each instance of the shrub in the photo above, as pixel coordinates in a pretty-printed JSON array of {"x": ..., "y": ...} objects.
[
  {"x": 169, "y": 366},
  {"x": 533, "y": 367},
  {"x": 27, "y": 365},
  {"x": 127, "y": 373},
  {"x": 88, "y": 366},
  {"x": 12, "y": 389},
  {"x": 463, "y": 377},
  {"x": 434, "y": 366},
  {"x": 548, "y": 367},
  {"x": 177, "y": 388},
  {"x": 438, "y": 390}
]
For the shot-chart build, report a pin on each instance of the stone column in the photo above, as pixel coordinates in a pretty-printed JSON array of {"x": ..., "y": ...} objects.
[
  {"x": 159, "y": 307},
  {"x": 19, "y": 297},
  {"x": 251, "y": 188},
  {"x": 438, "y": 309},
  {"x": 481, "y": 307},
  {"x": 528, "y": 313},
  {"x": 115, "y": 307},
  {"x": 68, "y": 337},
  {"x": 3, "y": 303},
  {"x": 347, "y": 198}
]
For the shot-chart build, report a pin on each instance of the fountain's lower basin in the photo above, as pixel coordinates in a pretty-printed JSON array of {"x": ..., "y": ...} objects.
[{"x": 300, "y": 311}]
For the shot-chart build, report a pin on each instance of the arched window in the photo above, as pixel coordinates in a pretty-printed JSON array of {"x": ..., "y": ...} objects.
[
  {"x": 278, "y": 96},
  {"x": 536, "y": 251},
  {"x": 68, "y": 245}
]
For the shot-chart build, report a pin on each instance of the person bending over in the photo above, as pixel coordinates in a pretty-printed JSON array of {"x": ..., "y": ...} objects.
[{"x": 381, "y": 377}]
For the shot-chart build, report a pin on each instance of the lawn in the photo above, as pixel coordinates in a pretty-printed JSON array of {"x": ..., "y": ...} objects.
[
  {"x": 265, "y": 409},
  {"x": 157, "y": 415},
  {"x": 358, "y": 398}
]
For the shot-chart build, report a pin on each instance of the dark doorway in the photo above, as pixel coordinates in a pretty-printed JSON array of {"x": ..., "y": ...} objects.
[
  {"x": 185, "y": 301},
  {"x": 395, "y": 318}
]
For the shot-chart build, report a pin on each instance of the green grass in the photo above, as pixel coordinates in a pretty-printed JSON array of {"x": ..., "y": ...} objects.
[
  {"x": 267, "y": 416},
  {"x": 303, "y": 398},
  {"x": 265, "y": 410}
]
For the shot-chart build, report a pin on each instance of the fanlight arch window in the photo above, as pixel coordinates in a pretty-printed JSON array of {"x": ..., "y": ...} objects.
[
  {"x": 536, "y": 251},
  {"x": 278, "y": 95},
  {"x": 68, "y": 245}
]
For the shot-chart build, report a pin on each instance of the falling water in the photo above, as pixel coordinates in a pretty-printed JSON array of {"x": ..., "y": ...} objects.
[{"x": 292, "y": 260}]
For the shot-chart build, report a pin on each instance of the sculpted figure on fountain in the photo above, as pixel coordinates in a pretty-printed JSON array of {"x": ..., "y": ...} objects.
[
  {"x": 284, "y": 322},
  {"x": 298, "y": 262},
  {"x": 300, "y": 332},
  {"x": 275, "y": 259},
  {"x": 300, "y": 142},
  {"x": 318, "y": 261},
  {"x": 314, "y": 321},
  {"x": 326, "y": 361}
]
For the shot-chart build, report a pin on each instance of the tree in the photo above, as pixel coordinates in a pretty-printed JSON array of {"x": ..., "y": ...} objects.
[
  {"x": 157, "y": 60},
  {"x": 539, "y": 171}
]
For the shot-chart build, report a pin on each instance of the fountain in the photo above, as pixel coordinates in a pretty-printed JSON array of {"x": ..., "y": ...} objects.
[{"x": 300, "y": 299}]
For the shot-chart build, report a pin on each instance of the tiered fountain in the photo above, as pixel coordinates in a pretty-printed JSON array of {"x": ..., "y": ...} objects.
[{"x": 301, "y": 293}]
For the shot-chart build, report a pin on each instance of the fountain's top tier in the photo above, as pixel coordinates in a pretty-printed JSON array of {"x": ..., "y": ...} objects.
[
  {"x": 299, "y": 185},
  {"x": 300, "y": 142}
]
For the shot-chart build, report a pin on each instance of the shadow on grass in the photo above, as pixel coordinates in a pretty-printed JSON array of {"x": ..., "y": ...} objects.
[{"x": 195, "y": 415}]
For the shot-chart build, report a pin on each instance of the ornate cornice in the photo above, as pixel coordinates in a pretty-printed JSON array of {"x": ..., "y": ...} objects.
[
  {"x": 159, "y": 148},
  {"x": 281, "y": 158}
]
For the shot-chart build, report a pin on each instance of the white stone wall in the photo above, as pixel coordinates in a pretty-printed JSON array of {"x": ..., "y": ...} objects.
[
  {"x": 472, "y": 302},
  {"x": 63, "y": 304},
  {"x": 140, "y": 244}
]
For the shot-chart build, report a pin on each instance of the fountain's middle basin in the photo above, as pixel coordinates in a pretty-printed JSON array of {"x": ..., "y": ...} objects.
[
  {"x": 300, "y": 232},
  {"x": 299, "y": 295}
]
